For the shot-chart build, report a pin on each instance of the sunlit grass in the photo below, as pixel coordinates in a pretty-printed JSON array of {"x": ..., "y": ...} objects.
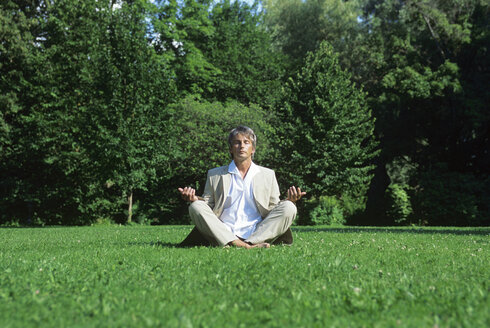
[{"x": 330, "y": 277}]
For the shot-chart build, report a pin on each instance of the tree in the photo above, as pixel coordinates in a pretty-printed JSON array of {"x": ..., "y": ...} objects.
[
  {"x": 16, "y": 42},
  {"x": 87, "y": 134},
  {"x": 127, "y": 130},
  {"x": 423, "y": 67},
  {"x": 47, "y": 159},
  {"x": 178, "y": 28},
  {"x": 330, "y": 130},
  {"x": 299, "y": 26},
  {"x": 251, "y": 71}
]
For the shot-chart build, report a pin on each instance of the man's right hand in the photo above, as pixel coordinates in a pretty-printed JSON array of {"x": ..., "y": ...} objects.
[
  {"x": 295, "y": 194},
  {"x": 189, "y": 194}
]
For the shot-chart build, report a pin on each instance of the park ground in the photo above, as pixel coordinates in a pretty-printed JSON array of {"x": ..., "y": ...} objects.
[{"x": 136, "y": 276}]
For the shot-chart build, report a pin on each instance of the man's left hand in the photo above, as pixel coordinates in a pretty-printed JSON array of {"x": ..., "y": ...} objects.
[{"x": 295, "y": 194}]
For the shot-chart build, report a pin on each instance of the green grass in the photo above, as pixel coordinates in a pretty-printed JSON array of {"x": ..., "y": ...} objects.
[{"x": 331, "y": 277}]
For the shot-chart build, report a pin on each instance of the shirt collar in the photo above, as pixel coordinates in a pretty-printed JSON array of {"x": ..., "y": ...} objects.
[{"x": 251, "y": 171}]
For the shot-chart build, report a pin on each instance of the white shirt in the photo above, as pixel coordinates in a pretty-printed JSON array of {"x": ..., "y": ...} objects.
[{"x": 240, "y": 214}]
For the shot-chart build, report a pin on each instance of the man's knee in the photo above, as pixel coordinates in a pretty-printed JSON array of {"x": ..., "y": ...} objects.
[
  {"x": 289, "y": 208},
  {"x": 196, "y": 208}
]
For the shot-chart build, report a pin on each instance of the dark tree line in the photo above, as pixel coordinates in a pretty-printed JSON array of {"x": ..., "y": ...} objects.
[{"x": 377, "y": 108}]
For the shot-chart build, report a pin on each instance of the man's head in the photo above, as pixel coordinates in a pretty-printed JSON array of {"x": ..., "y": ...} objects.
[{"x": 242, "y": 142}]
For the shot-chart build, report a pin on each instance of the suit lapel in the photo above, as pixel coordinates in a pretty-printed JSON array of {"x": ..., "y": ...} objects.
[
  {"x": 258, "y": 190},
  {"x": 226, "y": 178},
  {"x": 223, "y": 182}
]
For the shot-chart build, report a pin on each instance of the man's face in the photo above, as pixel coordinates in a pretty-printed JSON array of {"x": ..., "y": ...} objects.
[{"x": 241, "y": 148}]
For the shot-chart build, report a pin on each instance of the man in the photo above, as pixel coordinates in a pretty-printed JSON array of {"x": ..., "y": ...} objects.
[{"x": 240, "y": 205}]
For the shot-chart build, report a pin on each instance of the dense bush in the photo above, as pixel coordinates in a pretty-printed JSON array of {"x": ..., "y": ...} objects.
[
  {"x": 327, "y": 211},
  {"x": 398, "y": 204}
]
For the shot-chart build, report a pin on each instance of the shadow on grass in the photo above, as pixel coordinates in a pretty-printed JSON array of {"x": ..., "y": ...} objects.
[
  {"x": 163, "y": 244},
  {"x": 481, "y": 231},
  {"x": 168, "y": 245}
]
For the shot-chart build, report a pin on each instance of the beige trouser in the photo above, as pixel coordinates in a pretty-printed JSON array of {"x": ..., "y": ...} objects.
[{"x": 273, "y": 226}]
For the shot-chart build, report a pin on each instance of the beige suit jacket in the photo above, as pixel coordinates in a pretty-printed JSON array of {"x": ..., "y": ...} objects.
[{"x": 264, "y": 184}]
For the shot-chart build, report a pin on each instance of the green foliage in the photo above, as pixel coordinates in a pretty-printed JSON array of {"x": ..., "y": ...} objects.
[
  {"x": 15, "y": 47},
  {"x": 401, "y": 170},
  {"x": 240, "y": 47},
  {"x": 336, "y": 277},
  {"x": 329, "y": 137},
  {"x": 327, "y": 211},
  {"x": 451, "y": 198},
  {"x": 352, "y": 204},
  {"x": 398, "y": 204},
  {"x": 86, "y": 131},
  {"x": 44, "y": 166},
  {"x": 299, "y": 27},
  {"x": 179, "y": 28},
  {"x": 83, "y": 138},
  {"x": 137, "y": 92},
  {"x": 423, "y": 66},
  {"x": 331, "y": 210},
  {"x": 218, "y": 51}
]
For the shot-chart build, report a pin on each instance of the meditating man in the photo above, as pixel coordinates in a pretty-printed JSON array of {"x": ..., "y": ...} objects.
[{"x": 240, "y": 205}]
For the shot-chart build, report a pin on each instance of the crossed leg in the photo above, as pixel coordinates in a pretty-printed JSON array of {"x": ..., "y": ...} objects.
[{"x": 216, "y": 232}]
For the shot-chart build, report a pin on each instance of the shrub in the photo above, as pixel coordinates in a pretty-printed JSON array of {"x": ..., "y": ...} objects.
[
  {"x": 398, "y": 206},
  {"x": 327, "y": 211}
]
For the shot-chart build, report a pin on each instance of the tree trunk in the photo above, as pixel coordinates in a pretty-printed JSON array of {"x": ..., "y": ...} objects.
[{"x": 130, "y": 206}]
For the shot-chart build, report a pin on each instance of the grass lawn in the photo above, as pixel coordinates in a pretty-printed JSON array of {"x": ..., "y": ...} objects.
[{"x": 331, "y": 277}]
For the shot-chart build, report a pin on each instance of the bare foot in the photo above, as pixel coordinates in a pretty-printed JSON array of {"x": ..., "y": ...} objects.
[
  {"x": 261, "y": 245},
  {"x": 241, "y": 243}
]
